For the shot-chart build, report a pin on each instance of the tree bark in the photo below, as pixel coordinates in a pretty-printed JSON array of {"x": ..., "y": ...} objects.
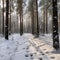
[
  {"x": 21, "y": 18},
  {"x": 55, "y": 25},
  {"x": 17, "y": 22},
  {"x": 32, "y": 18},
  {"x": 7, "y": 18},
  {"x": 3, "y": 19},
  {"x": 37, "y": 18},
  {"x": 21, "y": 23},
  {"x": 10, "y": 16},
  {"x": 43, "y": 21},
  {"x": 46, "y": 12}
]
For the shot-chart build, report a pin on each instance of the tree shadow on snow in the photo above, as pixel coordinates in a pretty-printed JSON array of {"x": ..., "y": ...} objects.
[{"x": 56, "y": 51}]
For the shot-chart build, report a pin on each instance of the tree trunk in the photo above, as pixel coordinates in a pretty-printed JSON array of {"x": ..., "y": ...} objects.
[
  {"x": 7, "y": 18},
  {"x": 21, "y": 23},
  {"x": 17, "y": 22},
  {"x": 46, "y": 20},
  {"x": 21, "y": 18},
  {"x": 37, "y": 18},
  {"x": 32, "y": 18},
  {"x": 55, "y": 25},
  {"x": 10, "y": 16},
  {"x": 43, "y": 21},
  {"x": 3, "y": 19}
]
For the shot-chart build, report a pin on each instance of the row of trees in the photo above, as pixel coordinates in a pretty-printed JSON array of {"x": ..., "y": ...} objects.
[
  {"x": 33, "y": 9},
  {"x": 6, "y": 23}
]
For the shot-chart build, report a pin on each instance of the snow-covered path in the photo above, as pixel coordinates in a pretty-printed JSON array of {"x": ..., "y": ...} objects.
[{"x": 26, "y": 47}]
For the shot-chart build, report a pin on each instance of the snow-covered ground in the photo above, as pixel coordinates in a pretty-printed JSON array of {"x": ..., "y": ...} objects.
[
  {"x": 27, "y": 47},
  {"x": 47, "y": 38}
]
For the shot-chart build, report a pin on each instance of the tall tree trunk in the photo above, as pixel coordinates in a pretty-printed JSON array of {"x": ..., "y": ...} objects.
[
  {"x": 43, "y": 21},
  {"x": 32, "y": 18},
  {"x": 21, "y": 23},
  {"x": 21, "y": 18},
  {"x": 7, "y": 18},
  {"x": 3, "y": 19},
  {"x": 55, "y": 25},
  {"x": 17, "y": 22},
  {"x": 37, "y": 18},
  {"x": 10, "y": 16},
  {"x": 46, "y": 20}
]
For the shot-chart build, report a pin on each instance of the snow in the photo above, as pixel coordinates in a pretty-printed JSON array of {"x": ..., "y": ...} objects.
[
  {"x": 16, "y": 47},
  {"x": 47, "y": 38},
  {"x": 26, "y": 47}
]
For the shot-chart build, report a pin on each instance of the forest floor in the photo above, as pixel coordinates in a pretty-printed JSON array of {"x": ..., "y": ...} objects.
[{"x": 27, "y": 47}]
